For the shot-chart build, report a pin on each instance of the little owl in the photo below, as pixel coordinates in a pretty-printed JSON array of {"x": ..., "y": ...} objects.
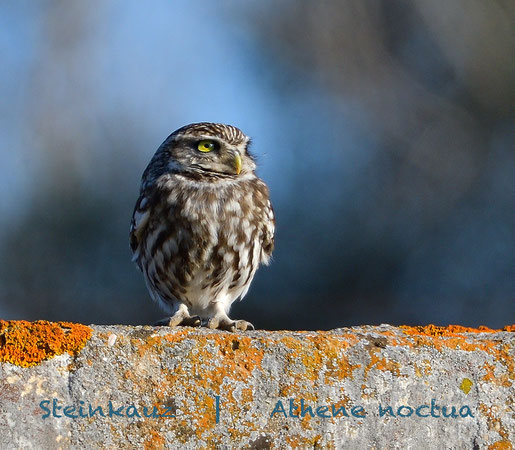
[{"x": 202, "y": 225}]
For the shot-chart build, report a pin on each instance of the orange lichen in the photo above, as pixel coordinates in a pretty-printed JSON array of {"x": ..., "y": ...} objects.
[
  {"x": 154, "y": 441},
  {"x": 494, "y": 423},
  {"x": 382, "y": 364},
  {"x": 490, "y": 376},
  {"x": 27, "y": 344},
  {"x": 501, "y": 445},
  {"x": 207, "y": 420},
  {"x": 293, "y": 441},
  {"x": 305, "y": 422},
  {"x": 307, "y": 442},
  {"x": 452, "y": 337},
  {"x": 450, "y": 330},
  {"x": 318, "y": 351},
  {"x": 422, "y": 368},
  {"x": 247, "y": 396}
]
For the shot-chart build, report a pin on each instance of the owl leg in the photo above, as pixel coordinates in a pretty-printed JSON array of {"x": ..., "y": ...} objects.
[{"x": 181, "y": 317}]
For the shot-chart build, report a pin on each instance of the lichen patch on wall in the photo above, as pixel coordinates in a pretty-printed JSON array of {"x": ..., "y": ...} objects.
[{"x": 27, "y": 344}]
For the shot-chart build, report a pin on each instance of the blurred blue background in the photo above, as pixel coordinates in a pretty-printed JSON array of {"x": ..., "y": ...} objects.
[{"x": 384, "y": 129}]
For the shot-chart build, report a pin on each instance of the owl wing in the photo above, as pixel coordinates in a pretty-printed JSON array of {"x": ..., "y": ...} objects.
[
  {"x": 139, "y": 221},
  {"x": 267, "y": 246}
]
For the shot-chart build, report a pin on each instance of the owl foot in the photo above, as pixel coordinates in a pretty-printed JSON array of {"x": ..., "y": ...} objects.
[
  {"x": 179, "y": 320},
  {"x": 224, "y": 323}
]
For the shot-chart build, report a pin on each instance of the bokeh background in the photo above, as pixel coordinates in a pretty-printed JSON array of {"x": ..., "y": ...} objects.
[{"x": 385, "y": 130}]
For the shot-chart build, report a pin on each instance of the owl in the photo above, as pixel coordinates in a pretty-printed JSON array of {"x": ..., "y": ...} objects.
[{"x": 202, "y": 225}]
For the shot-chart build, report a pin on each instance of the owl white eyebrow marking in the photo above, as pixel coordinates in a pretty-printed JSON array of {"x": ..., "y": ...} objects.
[{"x": 199, "y": 137}]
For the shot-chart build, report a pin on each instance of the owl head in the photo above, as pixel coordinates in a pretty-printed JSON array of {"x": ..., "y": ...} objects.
[{"x": 205, "y": 149}]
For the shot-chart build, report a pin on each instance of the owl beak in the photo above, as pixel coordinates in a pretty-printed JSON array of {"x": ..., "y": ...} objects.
[{"x": 237, "y": 163}]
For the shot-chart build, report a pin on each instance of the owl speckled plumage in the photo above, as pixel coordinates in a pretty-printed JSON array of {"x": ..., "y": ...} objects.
[{"x": 202, "y": 225}]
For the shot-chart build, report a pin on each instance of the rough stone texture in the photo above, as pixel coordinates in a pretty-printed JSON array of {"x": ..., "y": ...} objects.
[{"x": 184, "y": 370}]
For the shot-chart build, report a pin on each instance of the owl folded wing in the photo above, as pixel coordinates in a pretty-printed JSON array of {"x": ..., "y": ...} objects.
[
  {"x": 268, "y": 235},
  {"x": 140, "y": 218}
]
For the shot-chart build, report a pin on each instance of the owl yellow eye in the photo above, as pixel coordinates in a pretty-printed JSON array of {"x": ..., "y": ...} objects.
[{"x": 206, "y": 146}]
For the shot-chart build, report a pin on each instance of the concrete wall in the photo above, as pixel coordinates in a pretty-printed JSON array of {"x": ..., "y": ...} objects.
[{"x": 364, "y": 387}]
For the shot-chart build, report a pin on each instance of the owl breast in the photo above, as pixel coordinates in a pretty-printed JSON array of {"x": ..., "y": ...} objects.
[{"x": 203, "y": 241}]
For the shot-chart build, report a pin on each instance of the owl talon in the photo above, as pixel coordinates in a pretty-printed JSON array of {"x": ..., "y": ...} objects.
[
  {"x": 243, "y": 325},
  {"x": 228, "y": 327},
  {"x": 192, "y": 321}
]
